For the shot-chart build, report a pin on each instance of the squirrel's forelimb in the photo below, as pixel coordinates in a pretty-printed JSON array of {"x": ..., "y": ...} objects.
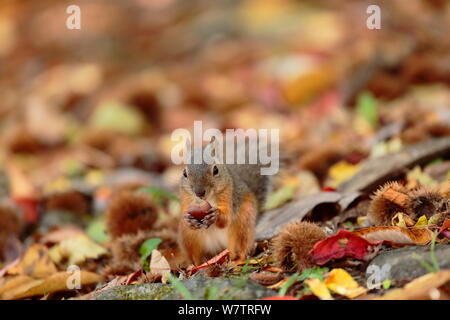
[{"x": 242, "y": 229}]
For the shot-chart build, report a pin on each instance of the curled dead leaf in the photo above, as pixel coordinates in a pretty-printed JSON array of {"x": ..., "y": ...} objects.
[
  {"x": 397, "y": 235},
  {"x": 218, "y": 259}
]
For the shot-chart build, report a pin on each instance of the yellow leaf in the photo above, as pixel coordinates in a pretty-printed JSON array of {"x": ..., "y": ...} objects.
[
  {"x": 341, "y": 172},
  {"x": 340, "y": 282},
  {"x": 11, "y": 283},
  {"x": 76, "y": 249},
  {"x": 421, "y": 222},
  {"x": 398, "y": 220},
  {"x": 35, "y": 263},
  {"x": 29, "y": 287},
  {"x": 319, "y": 289},
  {"x": 361, "y": 220}
]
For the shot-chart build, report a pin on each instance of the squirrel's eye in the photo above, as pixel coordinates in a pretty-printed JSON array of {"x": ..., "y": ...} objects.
[
  {"x": 185, "y": 173},
  {"x": 215, "y": 170}
]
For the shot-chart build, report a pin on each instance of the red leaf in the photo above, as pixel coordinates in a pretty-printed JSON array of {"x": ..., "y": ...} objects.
[
  {"x": 29, "y": 207},
  {"x": 280, "y": 298},
  {"x": 445, "y": 226},
  {"x": 219, "y": 259},
  {"x": 342, "y": 244},
  {"x": 328, "y": 189}
]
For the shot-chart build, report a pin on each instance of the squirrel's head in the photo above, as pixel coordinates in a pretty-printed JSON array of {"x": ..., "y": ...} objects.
[{"x": 205, "y": 178}]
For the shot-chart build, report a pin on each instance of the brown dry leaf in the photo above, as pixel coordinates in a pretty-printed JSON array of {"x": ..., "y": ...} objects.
[
  {"x": 23, "y": 287},
  {"x": 397, "y": 235},
  {"x": 423, "y": 288},
  {"x": 21, "y": 185},
  {"x": 159, "y": 264},
  {"x": 35, "y": 263},
  {"x": 60, "y": 234},
  {"x": 278, "y": 285}
]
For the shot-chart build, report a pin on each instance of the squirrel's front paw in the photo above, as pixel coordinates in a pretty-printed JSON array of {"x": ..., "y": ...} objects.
[
  {"x": 210, "y": 218},
  {"x": 192, "y": 222},
  {"x": 204, "y": 223}
]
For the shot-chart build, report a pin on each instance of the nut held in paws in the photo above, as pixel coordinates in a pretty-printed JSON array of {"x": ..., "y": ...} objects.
[{"x": 199, "y": 210}]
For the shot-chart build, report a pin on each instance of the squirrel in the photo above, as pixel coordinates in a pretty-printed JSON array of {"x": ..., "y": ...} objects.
[{"x": 236, "y": 194}]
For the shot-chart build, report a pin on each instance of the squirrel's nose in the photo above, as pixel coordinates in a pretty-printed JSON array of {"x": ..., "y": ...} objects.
[{"x": 200, "y": 193}]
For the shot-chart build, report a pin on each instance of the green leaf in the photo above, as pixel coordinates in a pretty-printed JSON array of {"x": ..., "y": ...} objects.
[
  {"x": 284, "y": 288},
  {"x": 179, "y": 286},
  {"x": 96, "y": 230},
  {"x": 281, "y": 196},
  {"x": 305, "y": 274},
  {"x": 146, "y": 250},
  {"x": 118, "y": 117},
  {"x": 158, "y": 195},
  {"x": 310, "y": 273},
  {"x": 367, "y": 108},
  {"x": 386, "y": 284}
]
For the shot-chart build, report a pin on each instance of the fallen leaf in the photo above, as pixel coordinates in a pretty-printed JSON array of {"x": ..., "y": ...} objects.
[
  {"x": 421, "y": 222},
  {"x": 281, "y": 196},
  {"x": 21, "y": 185},
  {"x": 35, "y": 263},
  {"x": 146, "y": 250},
  {"x": 340, "y": 282},
  {"x": 396, "y": 235},
  {"x": 118, "y": 117},
  {"x": 343, "y": 244},
  {"x": 218, "y": 259},
  {"x": 29, "y": 287},
  {"x": 445, "y": 226},
  {"x": 76, "y": 249},
  {"x": 272, "y": 269},
  {"x": 60, "y": 234},
  {"x": 402, "y": 220},
  {"x": 278, "y": 285},
  {"x": 319, "y": 289},
  {"x": 342, "y": 171},
  {"x": 29, "y": 207},
  {"x": 159, "y": 264}
]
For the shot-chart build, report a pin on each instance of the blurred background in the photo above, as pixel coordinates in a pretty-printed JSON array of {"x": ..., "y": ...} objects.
[{"x": 91, "y": 108}]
